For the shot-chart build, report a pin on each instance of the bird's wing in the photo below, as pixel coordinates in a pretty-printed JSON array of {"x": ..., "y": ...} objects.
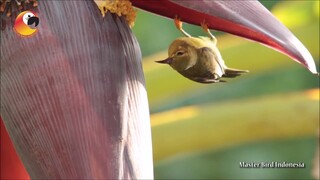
[{"x": 209, "y": 55}]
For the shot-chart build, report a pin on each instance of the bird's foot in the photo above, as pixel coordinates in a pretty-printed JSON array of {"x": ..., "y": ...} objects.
[
  {"x": 204, "y": 26},
  {"x": 178, "y": 24}
]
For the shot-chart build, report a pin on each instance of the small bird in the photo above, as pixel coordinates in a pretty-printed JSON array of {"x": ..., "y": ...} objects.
[{"x": 198, "y": 59}]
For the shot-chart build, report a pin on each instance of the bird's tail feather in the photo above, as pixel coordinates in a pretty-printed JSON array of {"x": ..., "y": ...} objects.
[{"x": 231, "y": 73}]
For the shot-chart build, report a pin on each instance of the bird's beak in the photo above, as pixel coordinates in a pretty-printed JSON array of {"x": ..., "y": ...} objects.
[
  {"x": 165, "y": 61},
  {"x": 33, "y": 22}
]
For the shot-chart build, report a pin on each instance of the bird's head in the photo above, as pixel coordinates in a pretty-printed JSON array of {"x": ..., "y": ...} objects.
[{"x": 182, "y": 55}]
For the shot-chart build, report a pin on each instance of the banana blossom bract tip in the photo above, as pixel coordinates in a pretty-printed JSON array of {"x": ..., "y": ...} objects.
[{"x": 247, "y": 19}]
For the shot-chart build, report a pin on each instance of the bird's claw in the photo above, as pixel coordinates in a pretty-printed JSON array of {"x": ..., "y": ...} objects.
[
  {"x": 178, "y": 22},
  {"x": 204, "y": 26}
]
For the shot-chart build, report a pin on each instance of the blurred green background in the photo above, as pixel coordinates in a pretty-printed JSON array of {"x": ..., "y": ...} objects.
[{"x": 203, "y": 131}]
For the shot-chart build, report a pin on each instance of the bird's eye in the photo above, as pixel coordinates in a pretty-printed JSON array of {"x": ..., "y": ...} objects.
[
  {"x": 179, "y": 53},
  {"x": 26, "y": 17}
]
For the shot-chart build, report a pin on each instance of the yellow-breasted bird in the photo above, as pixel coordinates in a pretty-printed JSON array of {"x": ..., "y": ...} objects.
[{"x": 199, "y": 58}]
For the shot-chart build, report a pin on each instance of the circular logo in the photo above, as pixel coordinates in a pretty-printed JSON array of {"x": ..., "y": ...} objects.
[{"x": 26, "y": 23}]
